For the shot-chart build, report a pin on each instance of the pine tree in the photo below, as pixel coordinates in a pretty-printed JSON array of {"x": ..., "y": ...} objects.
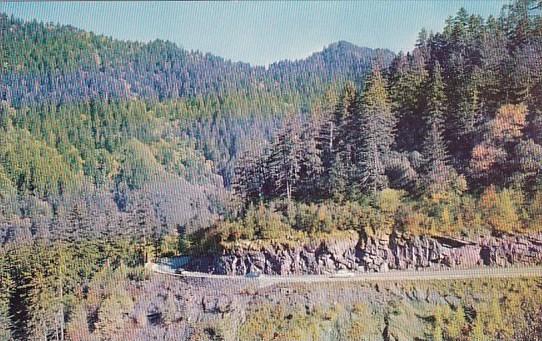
[
  {"x": 435, "y": 106},
  {"x": 343, "y": 141},
  {"x": 465, "y": 122},
  {"x": 183, "y": 242},
  {"x": 311, "y": 160},
  {"x": 7, "y": 287},
  {"x": 457, "y": 324},
  {"x": 285, "y": 160},
  {"x": 376, "y": 133},
  {"x": 250, "y": 177},
  {"x": 437, "y": 169},
  {"x": 43, "y": 296},
  {"x": 477, "y": 330},
  {"x": 324, "y": 143},
  {"x": 493, "y": 58},
  {"x": 145, "y": 224},
  {"x": 423, "y": 45},
  {"x": 406, "y": 80},
  {"x": 436, "y": 334},
  {"x": 343, "y": 117}
]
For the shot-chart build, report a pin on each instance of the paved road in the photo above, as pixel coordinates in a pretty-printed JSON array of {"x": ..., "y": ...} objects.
[{"x": 407, "y": 275}]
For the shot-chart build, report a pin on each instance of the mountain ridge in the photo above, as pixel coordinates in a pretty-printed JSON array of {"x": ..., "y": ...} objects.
[
  {"x": 70, "y": 65},
  {"x": 334, "y": 45}
]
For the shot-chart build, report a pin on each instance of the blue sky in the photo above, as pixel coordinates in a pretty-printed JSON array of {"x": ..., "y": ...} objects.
[{"x": 257, "y": 32}]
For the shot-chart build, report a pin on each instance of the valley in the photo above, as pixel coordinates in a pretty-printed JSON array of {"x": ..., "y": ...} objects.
[{"x": 152, "y": 192}]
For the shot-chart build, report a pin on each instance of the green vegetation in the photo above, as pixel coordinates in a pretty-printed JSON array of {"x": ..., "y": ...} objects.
[
  {"x": 113, "y": 153},
  {"x": 481, "y": 310},
  {"x": 442, "y": 214},
  {"x": 42, "y": 283},
  {"x": 451, "y": 150},
  {"x": 112, "y": 305}
]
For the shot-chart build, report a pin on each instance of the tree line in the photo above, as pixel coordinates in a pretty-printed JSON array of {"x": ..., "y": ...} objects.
[
  {"x": 455, "y": 120},
  {"x": 51, "y": 63}
]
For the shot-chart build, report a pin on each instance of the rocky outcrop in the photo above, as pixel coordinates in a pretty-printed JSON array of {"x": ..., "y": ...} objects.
[
  {"x": 395, "y": 251},
  {"x": 510, "y": 250},
  {"x": 314, "y": 257}
]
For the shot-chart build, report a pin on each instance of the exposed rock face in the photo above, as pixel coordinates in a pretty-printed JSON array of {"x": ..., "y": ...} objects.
[
  {"x": 395, "y": 251},
  {"x": 316, "y": 257}
]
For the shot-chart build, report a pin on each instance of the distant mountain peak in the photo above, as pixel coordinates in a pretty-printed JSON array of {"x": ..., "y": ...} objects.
[
  {"x": 343, "y": 51},
  {"x": 345, "y": 46},
  {"x": 342, "y": 44}
]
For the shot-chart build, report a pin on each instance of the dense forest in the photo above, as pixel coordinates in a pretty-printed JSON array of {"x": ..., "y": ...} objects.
[
  {"x": 446, "y": 140},
  {"x": 123, "y": 149},
  {"x": 61, "y": 64},
  {"x": 115, "y": 152},
  {"x": 59, "y": 151}
]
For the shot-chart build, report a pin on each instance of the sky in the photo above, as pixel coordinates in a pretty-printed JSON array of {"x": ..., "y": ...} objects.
[{"x": 257, "y": 32}]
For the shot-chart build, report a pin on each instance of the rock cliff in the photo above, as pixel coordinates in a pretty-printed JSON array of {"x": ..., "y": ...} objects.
[{"x": 395, "y": 251}]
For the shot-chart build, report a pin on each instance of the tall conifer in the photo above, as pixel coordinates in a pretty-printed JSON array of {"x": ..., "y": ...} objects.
[{"x": 376, "y": 133}]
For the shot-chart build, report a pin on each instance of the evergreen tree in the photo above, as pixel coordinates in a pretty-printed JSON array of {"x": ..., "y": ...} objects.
[
  {"x": 376, "y": 132},
  {"x": 457, "y": 323},
  {"x": 250, "y": 177},
  {"x": 435, "y": 106},
  {"x": 324, "y": 143},
  {"x": 437, "y": 170},
  {"x": 407, "y": 77},
  {"x": 145, "y": 224},
  {"x": 285, "y": 160},
  {"x": 43, "y": 296},
  {"x": 477, "y": 330},
  {"x": 436, "y": 334},
  {"x": 493, "y": 56},
  {"x": 311, "y": 160},
  {"x": 7, "y": 287},
  {"x": 466, "y": 121},
  {"x": 343, "y": 141}
]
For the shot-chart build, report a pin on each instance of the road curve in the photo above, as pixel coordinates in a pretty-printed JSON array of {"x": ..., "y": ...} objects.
[{"x": 397, "y": 275}]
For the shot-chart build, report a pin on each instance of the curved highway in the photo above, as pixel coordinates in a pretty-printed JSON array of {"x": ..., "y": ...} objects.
[{"x": 397, "y": 275}]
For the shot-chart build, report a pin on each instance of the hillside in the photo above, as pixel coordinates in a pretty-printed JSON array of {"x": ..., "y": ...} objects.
[
  {"x": 117, "y": 153},
  {"x": 445, "y": 141},
  {"x": 116, "y": 116},
  {"x": 236, "y": 309},
  {"x": 61, "y": 64}
]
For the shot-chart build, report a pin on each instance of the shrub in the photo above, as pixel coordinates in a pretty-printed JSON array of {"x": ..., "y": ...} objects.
[
  {"x": 500, "y": 210},
  {"x": 412, "y": 221},
  {"x": 535, "y": 212},
  {"x": 388, "y": 200}
]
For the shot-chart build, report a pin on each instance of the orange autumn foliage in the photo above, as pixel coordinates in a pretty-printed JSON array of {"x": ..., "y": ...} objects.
[
  {"x": 485, "y": 156},
  {"x": 509, "y": 123}
]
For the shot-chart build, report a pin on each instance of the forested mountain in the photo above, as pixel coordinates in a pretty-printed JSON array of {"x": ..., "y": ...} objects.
[
  {"x": 84, "y": 111},
  {"x": 113, "y": 152},
  {"x": 447, "y": 140},
  {"x": 113, "y": 149},
  {"x": 53, "y": 64},
  {"x": 61, "y": 64}
]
